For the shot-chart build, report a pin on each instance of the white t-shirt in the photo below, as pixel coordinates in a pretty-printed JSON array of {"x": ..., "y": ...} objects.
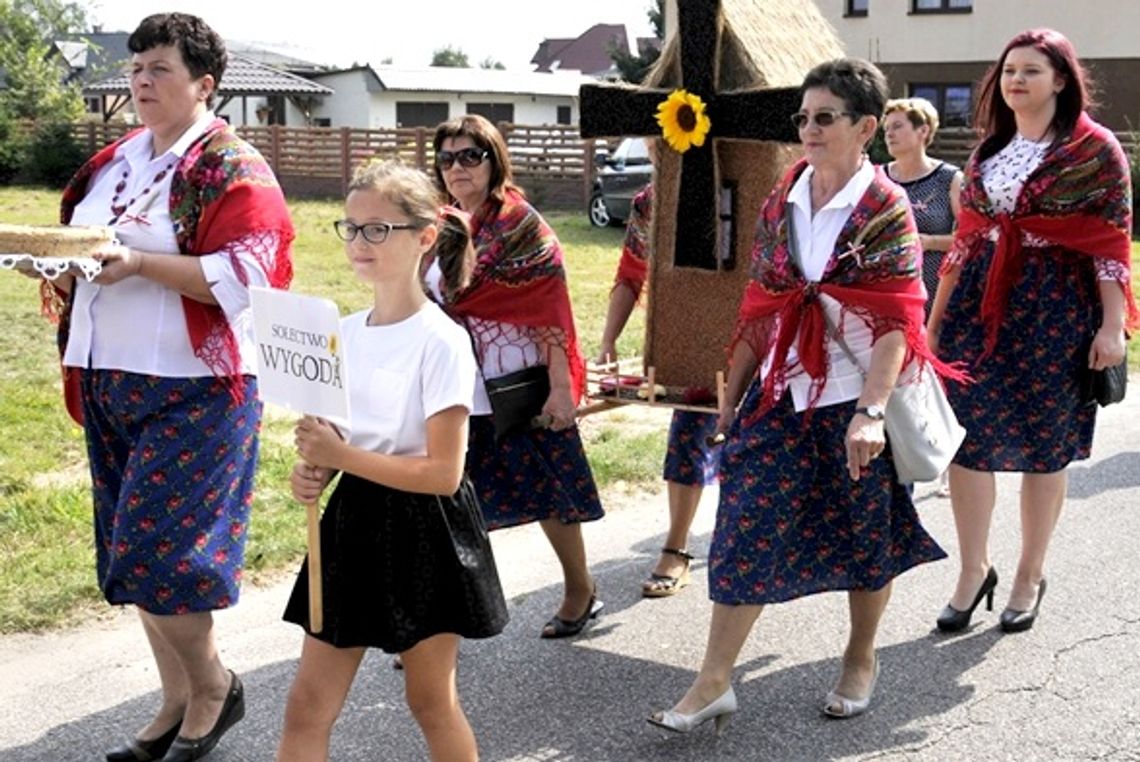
[
  {"x": 815, "y": 238},
  {"x": 516, "y": 348},
  {"x": 138, "y": 325},
  {"x": 400, "y": 375}
]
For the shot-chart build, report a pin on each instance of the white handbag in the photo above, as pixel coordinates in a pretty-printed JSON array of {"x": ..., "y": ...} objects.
[{"x": 921, "y": 426}]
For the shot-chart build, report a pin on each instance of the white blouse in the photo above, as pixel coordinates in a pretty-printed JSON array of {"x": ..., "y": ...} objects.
[{"x": 138, "y": 325}]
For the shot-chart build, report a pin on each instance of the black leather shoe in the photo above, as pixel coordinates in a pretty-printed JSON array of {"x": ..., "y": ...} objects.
[
  {"x": 558, "y": 627},
  {"x": 187, "y": 749},
  {"x": 953, "y": 620},
  {"x": 1013, "y": 620},
  {"x": 136, "y": 750}
]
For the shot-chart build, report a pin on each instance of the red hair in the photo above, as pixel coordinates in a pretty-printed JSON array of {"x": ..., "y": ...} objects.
[{"x": 994, "y": 118}]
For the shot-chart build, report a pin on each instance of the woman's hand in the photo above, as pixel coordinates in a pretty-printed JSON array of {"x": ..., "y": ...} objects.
[
  {"x": 1107, "y": 348},
  {"x": 308, "y": 481},
  {"x": 560, "y": 407},
  {"x": 607, "y": 354},
  {"x": 865, "y": 441},
  {"x": 118, "y": 262},
  {"x": 725, "y": 418},
  {"x": 318, "y": 442}
]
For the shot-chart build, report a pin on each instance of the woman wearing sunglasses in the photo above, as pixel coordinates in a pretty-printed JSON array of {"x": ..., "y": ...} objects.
[
  {"x": 516, "y": 306},
  {"x": 807, "y": 504}
]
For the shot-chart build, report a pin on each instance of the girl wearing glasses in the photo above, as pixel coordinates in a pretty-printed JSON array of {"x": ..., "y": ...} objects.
[
  {"x": 406, "y": 561},
  {"x": 807, "y": 504},
  {"x": 1036, "y": 287},
  {"x": 517, "y": 308}
]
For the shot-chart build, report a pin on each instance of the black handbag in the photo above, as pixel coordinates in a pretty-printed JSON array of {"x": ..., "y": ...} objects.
[
  {"x": 517, "y": 399},
  {"x": 1104, "y": 387}
]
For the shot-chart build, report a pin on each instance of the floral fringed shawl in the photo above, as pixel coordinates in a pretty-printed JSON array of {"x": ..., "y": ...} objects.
[
  {"x": 1078, "y": 199},
  {"x": 221, "y": 191},
  {"x": 633, "y": 267},
  {"x": 874, "y": 272},
  {"x": 519, "y": 279}
]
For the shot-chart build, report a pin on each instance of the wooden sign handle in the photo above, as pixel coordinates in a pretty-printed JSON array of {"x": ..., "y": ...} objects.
[{"x": 316, "y": 597}]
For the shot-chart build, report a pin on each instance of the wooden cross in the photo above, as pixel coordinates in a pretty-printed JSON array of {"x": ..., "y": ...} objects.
[{"x": 611, "y": 110}]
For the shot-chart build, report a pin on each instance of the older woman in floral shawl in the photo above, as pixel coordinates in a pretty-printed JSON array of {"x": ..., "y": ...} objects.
[
  {"x": 807, "y": 503},
  {"x": 516, "y": 305},
  {"x": 1038, "y": 288}
]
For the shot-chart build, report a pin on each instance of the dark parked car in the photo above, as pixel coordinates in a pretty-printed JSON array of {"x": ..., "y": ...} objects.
[{"x": 620, "y": 176}]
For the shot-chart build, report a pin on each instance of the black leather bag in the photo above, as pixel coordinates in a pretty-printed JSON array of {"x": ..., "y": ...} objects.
[
  {"x": 1104, "y": 387},
  {"x": 517, "y": 399}
]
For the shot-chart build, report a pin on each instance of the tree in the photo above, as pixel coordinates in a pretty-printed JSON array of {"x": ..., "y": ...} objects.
[
  {"x": 491, "y": 63},
  {"x": 32, "y": 71},
  {"x": 449, "y": 56},
  {"x": 633, "y": 68}
]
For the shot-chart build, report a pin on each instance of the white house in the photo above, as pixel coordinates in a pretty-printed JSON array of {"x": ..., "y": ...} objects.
[{"x": 384, "y": 97}]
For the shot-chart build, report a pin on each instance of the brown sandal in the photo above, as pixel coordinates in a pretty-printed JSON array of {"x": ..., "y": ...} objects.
[{"x": 664, "y": 585}]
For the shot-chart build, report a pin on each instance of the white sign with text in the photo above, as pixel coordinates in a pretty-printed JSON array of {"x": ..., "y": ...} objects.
[{"x": 300, "y": 355}]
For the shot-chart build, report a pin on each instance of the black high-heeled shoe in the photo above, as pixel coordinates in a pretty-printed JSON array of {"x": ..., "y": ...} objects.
[
  {"x": 953, "y": 620},
  {"x": 1013, "y": 620},
  {"x": 137, "y": 750},
  {"x": 188, "y": 749},
  {"x": 558, "y": 627}
]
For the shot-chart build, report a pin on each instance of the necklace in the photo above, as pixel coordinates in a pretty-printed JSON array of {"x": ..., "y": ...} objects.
[{"x": 119, "y": 209}]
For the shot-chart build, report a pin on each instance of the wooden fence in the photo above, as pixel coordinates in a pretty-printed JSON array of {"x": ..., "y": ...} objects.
[{"x": 551, "y": 162}]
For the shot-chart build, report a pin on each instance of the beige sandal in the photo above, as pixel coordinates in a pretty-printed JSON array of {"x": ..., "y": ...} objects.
[{"x": 664, "y": 585}]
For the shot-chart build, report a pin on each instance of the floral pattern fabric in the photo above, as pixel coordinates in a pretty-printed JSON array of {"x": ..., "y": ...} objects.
[{"x": 173, "y": 463}]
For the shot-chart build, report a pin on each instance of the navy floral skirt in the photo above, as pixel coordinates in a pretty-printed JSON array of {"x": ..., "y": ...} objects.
[
  {"x": 172, "y": 466},
  {"x": 537, "y": 474},
  {"x": 791, "y": 522},
  {"x": 399, "y": 567},
  {"x": 689, "y": 459},
  {"x": 1023, "y": 411}
]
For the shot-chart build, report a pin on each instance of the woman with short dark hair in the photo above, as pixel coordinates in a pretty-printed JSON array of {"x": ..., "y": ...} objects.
[
  {"x": 159, "y": 356},
  {"x": 807, "y": 503}
]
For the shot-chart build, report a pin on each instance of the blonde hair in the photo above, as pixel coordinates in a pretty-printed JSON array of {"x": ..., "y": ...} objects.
[{"x": 919, "y": 111}]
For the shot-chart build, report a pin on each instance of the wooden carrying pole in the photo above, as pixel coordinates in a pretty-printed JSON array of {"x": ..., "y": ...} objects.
[{"x": 316, "y": 598}]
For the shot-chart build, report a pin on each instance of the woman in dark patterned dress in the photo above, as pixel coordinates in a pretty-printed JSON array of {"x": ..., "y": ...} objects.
[
  {"x": 516, "y": 306},
  {"x": 406, "y": 560},
  {"x": 806, "y": 502},
  {"x": 690, "y": 461},
  {"x": 1039, "y": 268},
  {"x": 159, "y": 365},
  {"x": 932, "y": 186}
]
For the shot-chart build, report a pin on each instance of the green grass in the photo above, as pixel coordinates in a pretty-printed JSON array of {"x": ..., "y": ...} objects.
[{"x": 46, "y": 555}]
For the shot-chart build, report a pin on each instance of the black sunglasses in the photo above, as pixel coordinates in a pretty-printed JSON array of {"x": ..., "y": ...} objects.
[
  {"x": 467, "y": 157},
  {"x": 373, "y": 232},
  {"x": 822, "y": 118}
]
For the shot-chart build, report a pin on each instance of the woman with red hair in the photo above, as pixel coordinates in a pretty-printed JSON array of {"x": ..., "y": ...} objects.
[{"x": 1036, "y": 288}]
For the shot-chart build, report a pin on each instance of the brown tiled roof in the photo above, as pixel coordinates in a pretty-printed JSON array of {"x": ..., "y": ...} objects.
[
  {"x": 243, "y": 76},
  {"x": 588, "y": 53}
]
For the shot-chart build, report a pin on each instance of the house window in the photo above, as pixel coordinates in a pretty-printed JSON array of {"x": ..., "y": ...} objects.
[
  {"x": 420, "y": 114},
  {"x": 322, "y": 121},
  {"x": 94, "y": 105},
  {"x": 563, "y": 115},
  {"x": 942, "y": 6},
  {"x": 954, "y": 101},
  {"x": 856, "y": 8},
  {"x": 495, "y": 112}
]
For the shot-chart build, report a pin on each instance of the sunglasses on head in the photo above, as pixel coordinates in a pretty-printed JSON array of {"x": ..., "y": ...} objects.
[
  {"x": 821, "y": 118},
  {"x": 373, "y": 232},
  {"x": 467, "y": 157}
]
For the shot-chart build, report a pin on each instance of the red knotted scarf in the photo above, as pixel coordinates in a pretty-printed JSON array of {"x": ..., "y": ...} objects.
[
  {"x": 1076, "y": 199},
  {"x": 874, "y": 272}
]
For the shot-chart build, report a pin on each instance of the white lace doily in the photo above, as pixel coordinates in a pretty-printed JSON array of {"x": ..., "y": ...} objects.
[{"x": 51, "y": 267}]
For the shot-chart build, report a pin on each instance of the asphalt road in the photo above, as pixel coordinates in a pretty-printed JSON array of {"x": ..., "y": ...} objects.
[{"x": 1067, "y": 690}]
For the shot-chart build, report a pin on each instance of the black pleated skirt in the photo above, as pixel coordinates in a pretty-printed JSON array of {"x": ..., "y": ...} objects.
[{"x": 399, "y": 567}]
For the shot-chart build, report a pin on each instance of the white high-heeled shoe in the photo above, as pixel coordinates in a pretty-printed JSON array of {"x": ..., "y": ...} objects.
[
  {"x": 840, "y": 707},
  {"x": 720, "y": 711}
]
